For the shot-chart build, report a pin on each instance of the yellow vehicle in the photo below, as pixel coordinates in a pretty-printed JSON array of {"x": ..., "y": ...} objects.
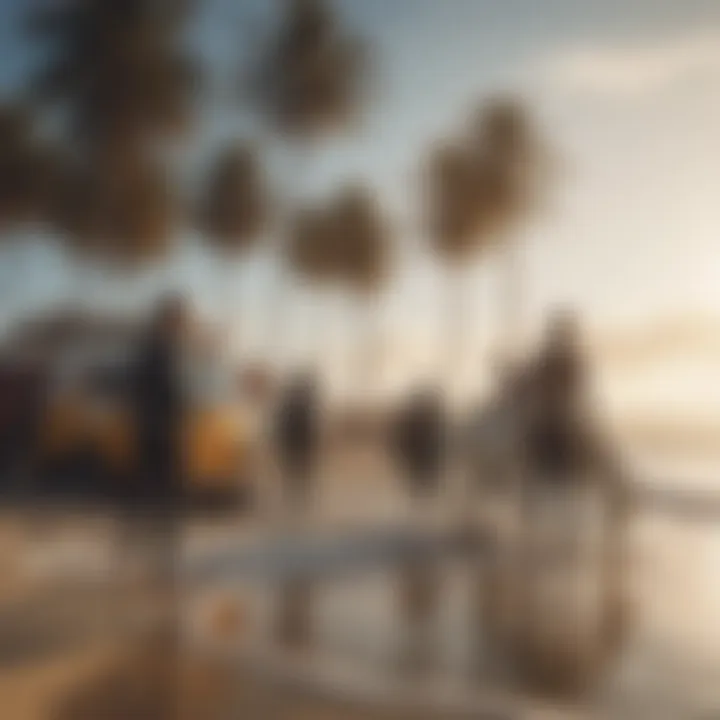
[{"x": 88, "y": 432}]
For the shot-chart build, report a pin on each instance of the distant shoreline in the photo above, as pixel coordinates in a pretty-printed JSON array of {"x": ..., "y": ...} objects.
[{"x": 676, "y": 442}]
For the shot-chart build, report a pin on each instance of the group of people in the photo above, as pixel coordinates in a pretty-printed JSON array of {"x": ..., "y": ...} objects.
[
  {"x": 549, "y": 392},
  {"x": 547, "y": 397},
  {"x": 542, "y": 415}
]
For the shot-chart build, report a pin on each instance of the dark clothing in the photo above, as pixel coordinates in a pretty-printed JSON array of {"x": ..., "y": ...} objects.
[
  {"x": 22, "y": 406},
  {"x": 419, "y": 442},
  {"x": 153, "y": 523},
  {"x": 297, "y": 435},
  {"x": 556, "y": 438},
  {"x": 158, "y": 415},
  {"x": 554, "y": 448}
]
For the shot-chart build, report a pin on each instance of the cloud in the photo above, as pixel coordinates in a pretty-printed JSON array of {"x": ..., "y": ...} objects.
[{"x": 632, "y": 70}]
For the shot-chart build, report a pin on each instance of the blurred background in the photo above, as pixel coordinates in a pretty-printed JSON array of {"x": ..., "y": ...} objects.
[{"x": 319, "y": 318}]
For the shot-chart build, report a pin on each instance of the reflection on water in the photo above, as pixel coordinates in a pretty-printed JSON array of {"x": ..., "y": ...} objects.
[
  {"x": 671, "y": 666},
  {"x": 674, "y": 661},
  {"x": 670, "y": 670}
]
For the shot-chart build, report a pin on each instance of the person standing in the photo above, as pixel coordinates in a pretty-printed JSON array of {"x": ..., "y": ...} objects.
[
  {"x": 297, "y": 444},
  {"x": 297, "y": 439},
  {"x": 156, "y": 489},
  {"x": 419, "y": 446}
]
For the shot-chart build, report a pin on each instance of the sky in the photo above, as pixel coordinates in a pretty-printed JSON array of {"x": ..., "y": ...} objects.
[{"x": 626, "y": 91}]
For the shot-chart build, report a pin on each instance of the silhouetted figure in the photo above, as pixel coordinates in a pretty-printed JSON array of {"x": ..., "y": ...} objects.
[
  {"x": 158, "y": 405},
  {"x": 419, "y": 440},
  {"x": 297, "y": 443},
  {"x": 574, "y": 492},
  {"x": 557, "y": 426},
  {"x": 418, "y": 444},
  {"x": 297, "y": 435},
  {"x": 22, "y": 398},
  {"x": 156, "y": 491}
]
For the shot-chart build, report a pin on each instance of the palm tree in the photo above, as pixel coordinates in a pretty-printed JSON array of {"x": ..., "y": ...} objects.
[
  {"x": 344, "y": 245},
  {"x": 308, "y": 84},
  {"x": 363, "y": 240},
  {"x": 121, "y": 84},
  {"x": 118, "y": 70},
  {"x": 120, "y": 220},
  {"x": 456, "y": 219},
  {"x": 235, "y": 206},
  {"x": 27, "y": 170},
  {"x": 480, "y": 188},
  {"x": 514, "y": 163}
]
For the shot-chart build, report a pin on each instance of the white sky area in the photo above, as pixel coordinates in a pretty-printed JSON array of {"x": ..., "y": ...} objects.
[{"x": 627, "y": 92}]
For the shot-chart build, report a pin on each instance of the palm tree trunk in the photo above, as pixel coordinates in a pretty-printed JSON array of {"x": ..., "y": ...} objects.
[
  {"x": 226, "y": 275},
  {"x": 511, "y": 299},
  {"x": 453, "y": 333},
  {"x": 295, "y": 176}
]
